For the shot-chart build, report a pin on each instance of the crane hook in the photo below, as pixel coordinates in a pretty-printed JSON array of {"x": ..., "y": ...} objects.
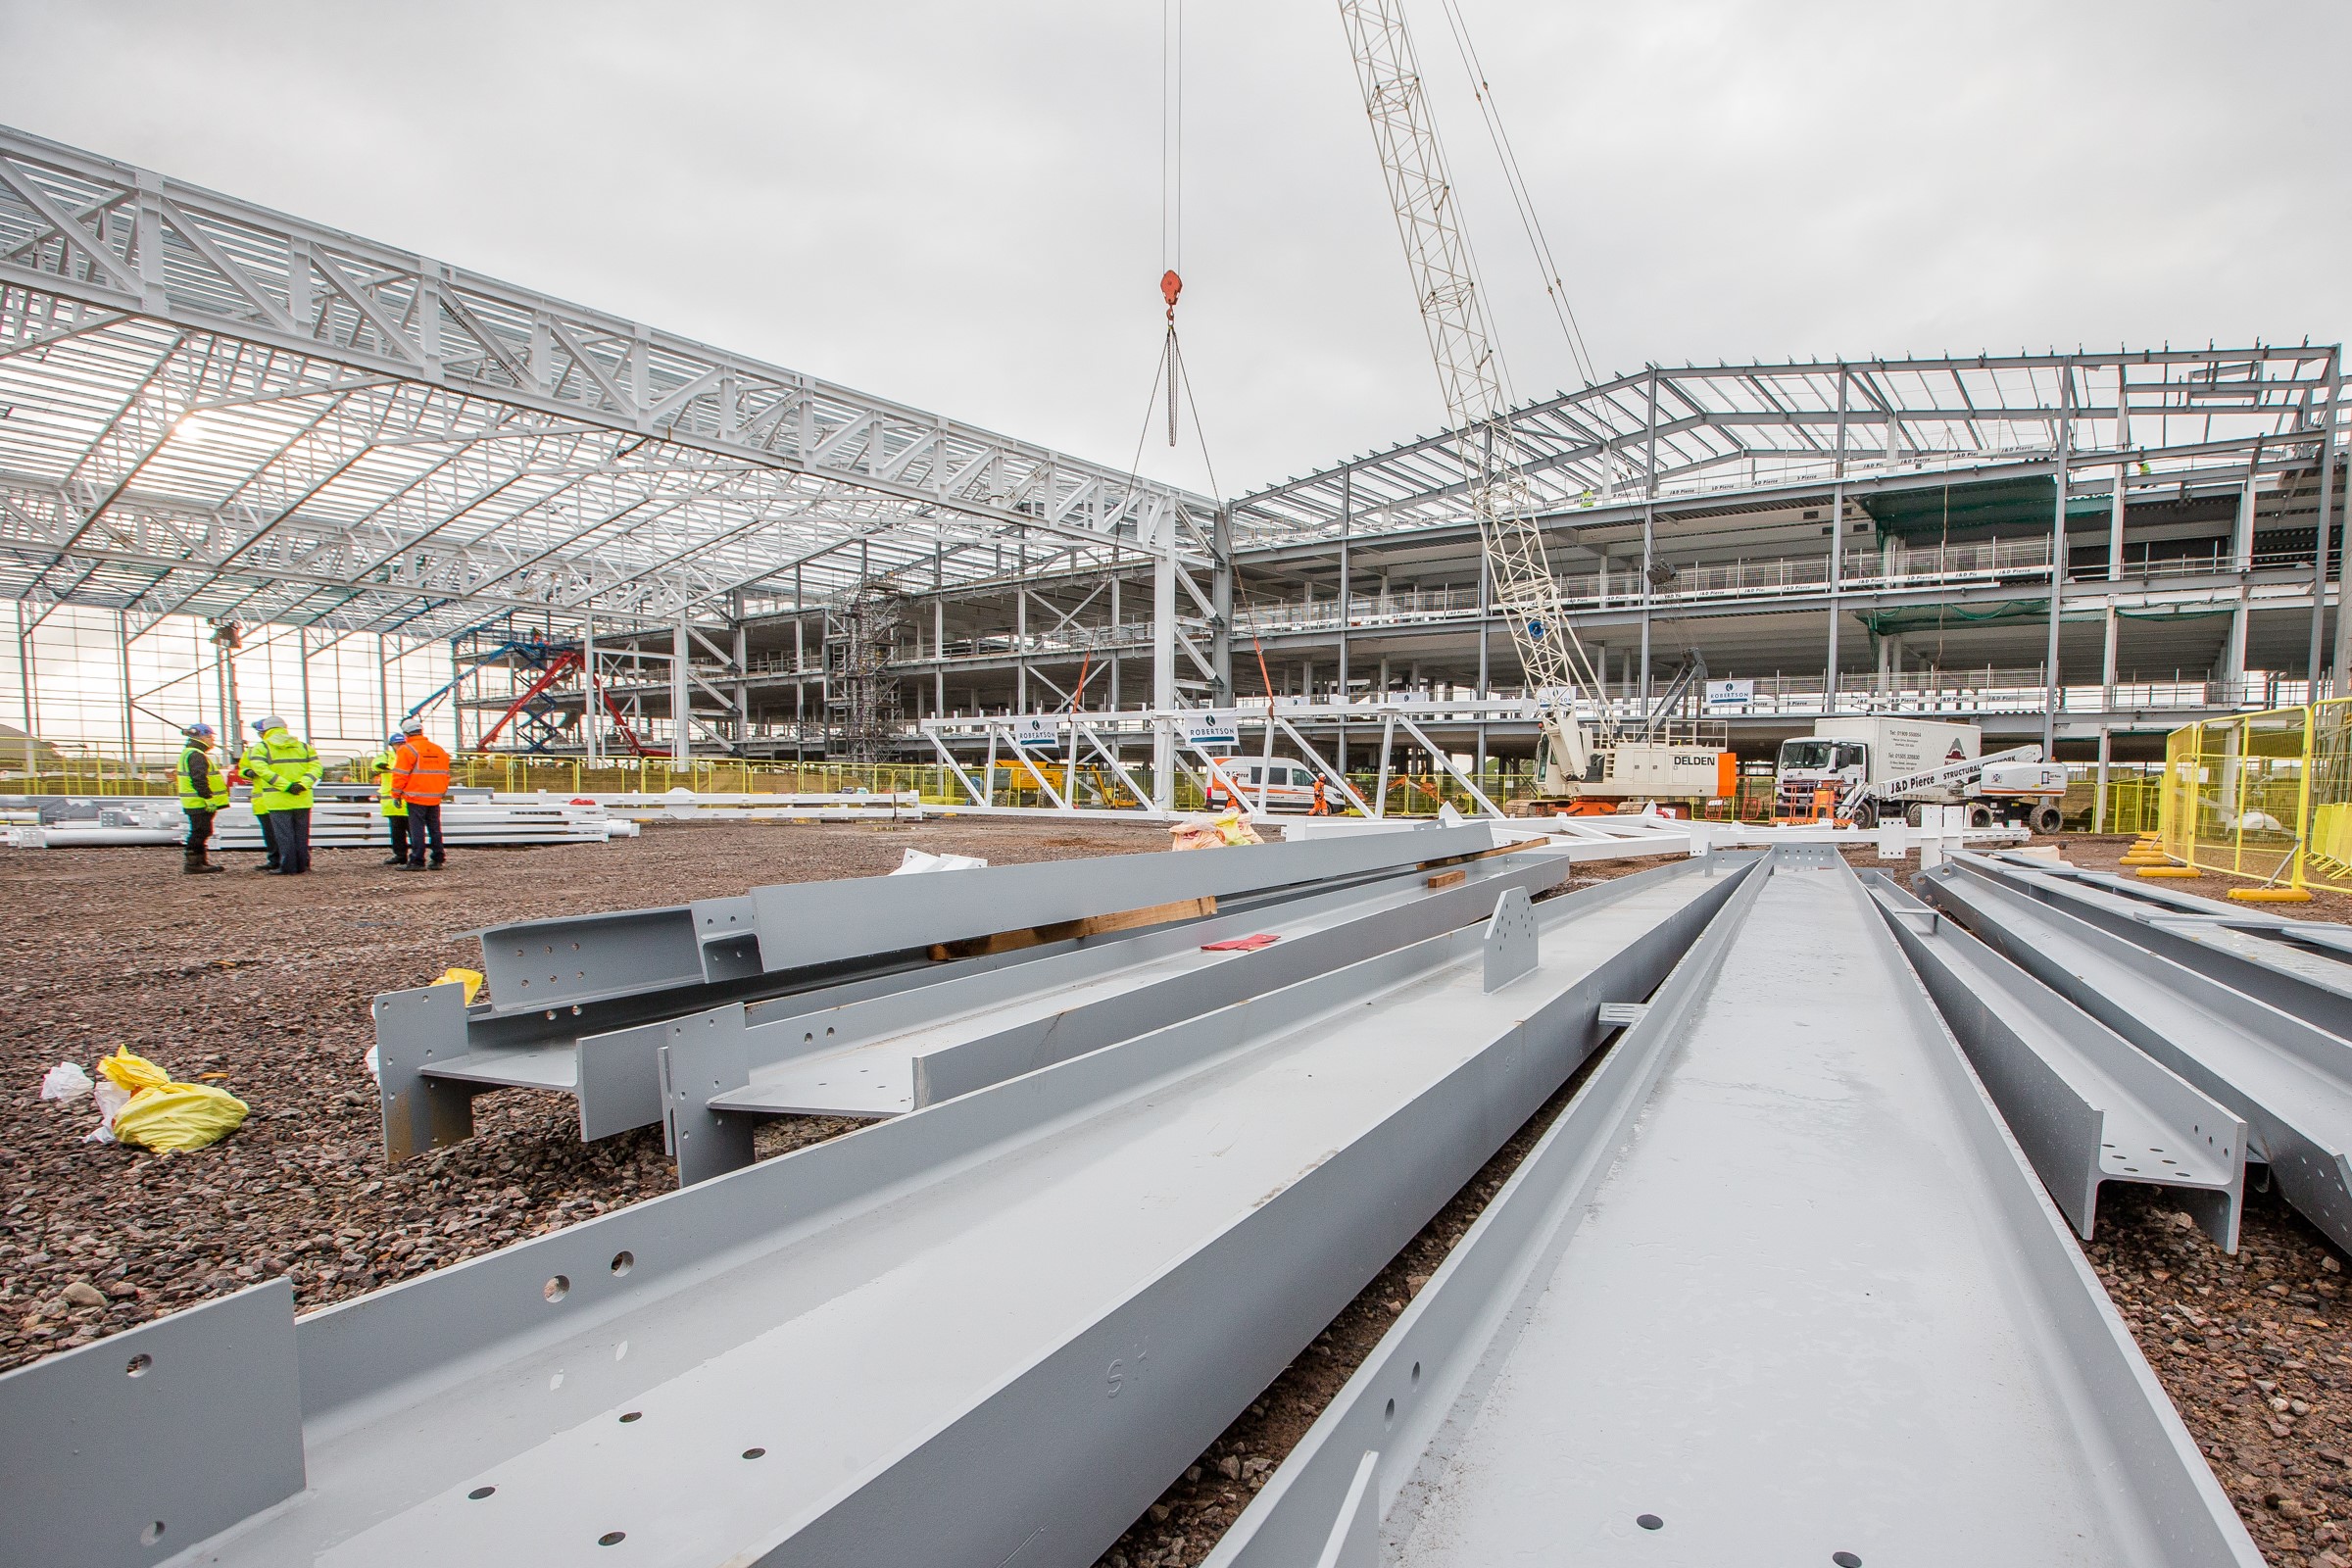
[{"x": 1170, "y": 285}]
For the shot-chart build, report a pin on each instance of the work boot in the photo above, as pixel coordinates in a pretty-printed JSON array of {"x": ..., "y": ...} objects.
[
  {"x": 193, "y": 864},
  {"x": 396, "y": 860}
]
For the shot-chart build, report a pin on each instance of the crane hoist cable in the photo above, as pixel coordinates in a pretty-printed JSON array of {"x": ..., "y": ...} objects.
[
  {"x": 1529, "y": 223},
  {"x": 1170, "y": 370}
]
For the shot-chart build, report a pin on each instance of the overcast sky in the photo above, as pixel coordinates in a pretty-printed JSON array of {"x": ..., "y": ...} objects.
[{"x": 957, "y": 205}]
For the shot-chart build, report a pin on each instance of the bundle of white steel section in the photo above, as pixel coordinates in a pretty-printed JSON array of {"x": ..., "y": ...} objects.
[
  {"x": 689, "y": 805},
  {"x": 464, "y": 822}
]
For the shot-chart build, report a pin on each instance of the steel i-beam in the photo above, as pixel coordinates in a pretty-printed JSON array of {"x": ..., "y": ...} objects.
[
  {"x": 2086, "y": 1105},
  {"x": 2292, "y": 1083},
  {"x": 1776, "y": 1287},
  {"x": 555, "y": 983},
  {"x": 2227, "y": 946},
  {"x": 726, "y": 1070},
  {"x": 987, "y": 1332}
]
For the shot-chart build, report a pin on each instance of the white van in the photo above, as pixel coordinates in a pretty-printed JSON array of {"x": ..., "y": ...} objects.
[{"x": 1288, "y": 785}]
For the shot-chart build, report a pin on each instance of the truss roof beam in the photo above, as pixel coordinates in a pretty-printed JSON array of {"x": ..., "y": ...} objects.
[{"x": 132, "y": 304}]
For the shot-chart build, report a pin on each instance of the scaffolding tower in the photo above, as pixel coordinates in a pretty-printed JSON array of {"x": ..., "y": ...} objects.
[{"x": 862, "y": 691}]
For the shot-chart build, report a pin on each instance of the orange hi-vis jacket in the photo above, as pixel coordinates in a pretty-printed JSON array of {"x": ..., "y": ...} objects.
[{"x": 419, "y": 771}]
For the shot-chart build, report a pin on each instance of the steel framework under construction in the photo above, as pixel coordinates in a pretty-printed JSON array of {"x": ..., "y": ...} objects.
[{"x": 222, "y": 411}]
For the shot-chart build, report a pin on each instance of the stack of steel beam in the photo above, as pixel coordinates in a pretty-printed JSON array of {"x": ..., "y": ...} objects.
[
  {"x": 585, "y": 1006},
  {"x": 1793, "y": 1276},
  {"x": 690, "y": 806},
  {"x": 471, "y": 823}
]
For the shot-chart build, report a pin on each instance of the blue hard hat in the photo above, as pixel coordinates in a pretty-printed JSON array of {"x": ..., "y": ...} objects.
[
  {"x": 196, "y": 729},
  {"x": 394, "y": 738}
]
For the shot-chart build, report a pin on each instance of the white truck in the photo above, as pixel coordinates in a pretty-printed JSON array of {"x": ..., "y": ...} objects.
[{"x": 1876, "y": 765}]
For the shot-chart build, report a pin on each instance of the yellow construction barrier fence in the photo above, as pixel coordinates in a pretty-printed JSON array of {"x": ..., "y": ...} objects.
[{"x": 2263, "y": 796}]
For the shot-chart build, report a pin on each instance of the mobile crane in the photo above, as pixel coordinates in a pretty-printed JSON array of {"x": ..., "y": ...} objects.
[{"x": 1579, "y": 764}]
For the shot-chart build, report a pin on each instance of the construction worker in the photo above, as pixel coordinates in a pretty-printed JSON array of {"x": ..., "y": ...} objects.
[
  {"x": 281, "y": 768},
  {"x": 1322, "y": 805},
  {"x": 203, "y": 795},
  {"x": 420, "y": 779},
  {"x": 257, "y": 801},
  {"x": 388, "y": 801}
]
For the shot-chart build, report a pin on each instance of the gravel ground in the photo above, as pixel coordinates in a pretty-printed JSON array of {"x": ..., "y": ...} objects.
[
  {"x": 2256, "y": 1350},
  {"x": 268, "y": 982}
]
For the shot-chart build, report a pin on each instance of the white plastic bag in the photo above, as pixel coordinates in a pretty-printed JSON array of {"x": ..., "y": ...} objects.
[
  {"x": 916, "y": 861},
  {"x": 66, "y": 1081},
  {"x": 112, "y": 1096}
]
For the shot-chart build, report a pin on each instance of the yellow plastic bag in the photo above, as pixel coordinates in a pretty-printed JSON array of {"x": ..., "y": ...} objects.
[
  {"x": 471, "y": 979},
  {"x": 132, "y": 1072},
  {"x": 164, "y": 1115},
  {"x": 178, "y": 1117}
]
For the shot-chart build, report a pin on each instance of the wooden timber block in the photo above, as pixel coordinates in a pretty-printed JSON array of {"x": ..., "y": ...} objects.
[
  {"x": 1092, "y": 925},
  {"x": 1464, "y": 860},
  {"x": 1448, "y": 879}
]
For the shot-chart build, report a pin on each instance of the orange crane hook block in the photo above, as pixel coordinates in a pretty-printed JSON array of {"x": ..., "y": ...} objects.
[{"x": 1170, "y": 285}]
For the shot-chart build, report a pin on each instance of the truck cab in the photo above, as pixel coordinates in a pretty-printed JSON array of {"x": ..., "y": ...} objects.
[{"x": 1810, "y": 762}]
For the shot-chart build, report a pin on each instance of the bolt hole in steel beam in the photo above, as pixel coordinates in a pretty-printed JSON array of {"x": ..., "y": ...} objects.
[
  {"x": 1916, "y": 1363},
  {"x": 932, "y": 1302}
]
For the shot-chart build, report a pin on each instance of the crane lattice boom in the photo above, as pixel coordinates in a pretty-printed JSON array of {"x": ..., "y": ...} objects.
[{"x": 1461, "y": 342}]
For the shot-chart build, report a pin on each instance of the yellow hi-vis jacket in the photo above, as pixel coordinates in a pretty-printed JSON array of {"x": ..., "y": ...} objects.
[
  {"x": 203, "y": 782},
  {"x": 387, "y": 799},
  {"x": 274, "y": 766}
]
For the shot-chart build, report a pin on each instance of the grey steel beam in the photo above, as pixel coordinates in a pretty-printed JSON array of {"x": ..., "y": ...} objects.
[
  {"x": 724, "y": 1071},
  {"x": 2315, "y": 987},
  {"x": 2086, "y": 1105},
  {"x": 199, "y": 1411},
  {"x": 984, "y": 1333},
  {"x": 1776, "y": 1287},
  {"x": 2290, "y": 1082},
  {"x": 535, "y": 964},
  {"x": 434, "y": 1053}
]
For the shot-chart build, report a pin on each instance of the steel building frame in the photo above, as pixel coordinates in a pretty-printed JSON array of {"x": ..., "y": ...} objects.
[{"x": 219, "y": 410}]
